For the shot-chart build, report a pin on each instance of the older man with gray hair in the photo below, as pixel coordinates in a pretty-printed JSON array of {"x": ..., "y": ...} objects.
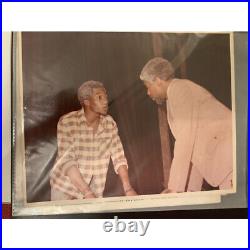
[
  {"x": 87, "y": 138},
  {"x": 200, "y": 124}
]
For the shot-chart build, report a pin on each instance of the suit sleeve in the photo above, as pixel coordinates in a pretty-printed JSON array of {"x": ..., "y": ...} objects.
[{"x": 185, "y": 118}]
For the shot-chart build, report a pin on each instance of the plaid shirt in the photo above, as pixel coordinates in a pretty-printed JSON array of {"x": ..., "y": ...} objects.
[{"x": 79, "y": 146}]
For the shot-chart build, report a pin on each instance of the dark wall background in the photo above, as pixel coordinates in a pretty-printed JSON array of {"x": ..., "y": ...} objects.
[
  {"x": 54, "y": 66},
  {"x": 209, "y": 65}
]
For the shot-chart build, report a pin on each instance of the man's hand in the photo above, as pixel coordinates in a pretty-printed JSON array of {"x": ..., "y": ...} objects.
[
  {"x": 168, "y": 191},
  {"x": 89, "y": 195},
  {"x": 130, "y": 192},
  {"x": 76, "y": 178}
]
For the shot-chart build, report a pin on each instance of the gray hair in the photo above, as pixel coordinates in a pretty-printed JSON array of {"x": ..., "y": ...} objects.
[
  {"x": 157, "y": 67},
  {"x": 86, "y": 89}
]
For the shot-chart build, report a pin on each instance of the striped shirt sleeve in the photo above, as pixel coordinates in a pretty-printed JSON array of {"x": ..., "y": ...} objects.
[{"x": 66, "y": 155}]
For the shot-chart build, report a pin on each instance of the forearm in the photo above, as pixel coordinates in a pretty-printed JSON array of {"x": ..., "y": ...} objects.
[
  {"x": 123, "y": 174},
  {"x": 76, "y": 178}
]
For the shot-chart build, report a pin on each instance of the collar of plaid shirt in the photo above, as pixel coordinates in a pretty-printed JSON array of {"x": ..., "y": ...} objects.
[{"x": 83, "y": 120}]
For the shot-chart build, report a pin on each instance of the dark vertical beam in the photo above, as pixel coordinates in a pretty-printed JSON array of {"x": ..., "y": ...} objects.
[
  {"x": 163, "y": 122},
  {"x": 183, "y": 66}
]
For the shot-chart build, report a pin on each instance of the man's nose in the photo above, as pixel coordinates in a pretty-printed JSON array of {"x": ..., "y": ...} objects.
[
  {"x": 105, "y": 101},
  {"x": 148, "y": 92}
]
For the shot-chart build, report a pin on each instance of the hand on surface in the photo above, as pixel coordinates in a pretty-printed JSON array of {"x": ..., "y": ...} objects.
[
  {"x": 168, "y": 191},
  {"x": 130, "y": 192},
  {"x": 89, "y": 195}
]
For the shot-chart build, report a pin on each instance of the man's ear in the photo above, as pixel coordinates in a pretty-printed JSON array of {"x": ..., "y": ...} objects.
[
  {"x": 86, "y": 102},
  {"x": 158, "y": 81}
]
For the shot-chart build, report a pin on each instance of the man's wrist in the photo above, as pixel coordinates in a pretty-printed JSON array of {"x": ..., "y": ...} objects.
[
  {"x": 126, "y": 185},
  {"x": 128, "y": 190},
  {"x": 88, "y": 193}
]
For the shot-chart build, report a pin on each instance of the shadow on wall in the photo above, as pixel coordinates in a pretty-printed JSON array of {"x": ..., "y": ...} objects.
[{"x": 40, "y": 138}]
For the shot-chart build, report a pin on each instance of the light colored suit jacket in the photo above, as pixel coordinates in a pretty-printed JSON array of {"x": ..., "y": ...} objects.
[{"x": 202, "y": 127}]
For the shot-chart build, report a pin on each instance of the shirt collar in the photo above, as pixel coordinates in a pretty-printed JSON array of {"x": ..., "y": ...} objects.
[{"x": 83, "y": 120}]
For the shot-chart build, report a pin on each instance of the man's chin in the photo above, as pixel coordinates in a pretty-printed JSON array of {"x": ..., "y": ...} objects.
[
  {"x": 104, "y": 113},
  {"x": 159, "y": 101}
]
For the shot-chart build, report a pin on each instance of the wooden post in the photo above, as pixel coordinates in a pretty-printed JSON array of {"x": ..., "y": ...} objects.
[{"x": 163, "y": 122}]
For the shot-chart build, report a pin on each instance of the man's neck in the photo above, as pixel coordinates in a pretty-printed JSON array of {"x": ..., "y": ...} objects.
[{"x": 92, "y": 118}]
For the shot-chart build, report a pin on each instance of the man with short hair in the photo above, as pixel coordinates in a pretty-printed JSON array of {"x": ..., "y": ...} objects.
[
  {"x": 87, "y": 138},
  {"x": 200, "y": 124}
]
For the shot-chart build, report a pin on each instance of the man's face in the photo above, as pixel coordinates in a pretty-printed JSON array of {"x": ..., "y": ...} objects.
[
  {"x": 98, "y": 102},
  {"x": 155, "y": 91}
]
